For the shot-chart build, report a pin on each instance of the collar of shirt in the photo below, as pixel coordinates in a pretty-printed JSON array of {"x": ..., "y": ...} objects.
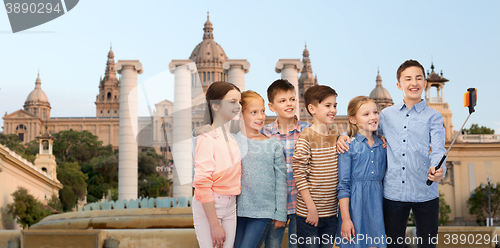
[
  {"x": 275, "y": 129},
  {"x": 418, "y": 107},
  {"x": 362, "y": 139}
]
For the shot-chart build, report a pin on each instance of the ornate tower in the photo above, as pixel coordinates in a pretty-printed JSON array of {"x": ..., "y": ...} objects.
[
  {"x": 437, "y": 102},
  {"x": 37, "y": 102},
  {"x": 45, "y": 161},
  {"x": 381, "y": 95},
  {"x": 209, "y": 57},
  {"x": 108, "y": 101},
  {"x": 306, "y": 81}
]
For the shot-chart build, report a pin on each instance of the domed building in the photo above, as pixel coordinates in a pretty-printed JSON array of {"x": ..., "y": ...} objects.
[
  {"x": 37, "y": 102},
  {"x": 30, "y": 122},
  {"x": 381, "y": 95},
  {"x": 209, "y": 57}
]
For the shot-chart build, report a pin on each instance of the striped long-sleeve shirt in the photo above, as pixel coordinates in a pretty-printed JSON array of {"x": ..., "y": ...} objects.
[{"x": 315, "y": 168}]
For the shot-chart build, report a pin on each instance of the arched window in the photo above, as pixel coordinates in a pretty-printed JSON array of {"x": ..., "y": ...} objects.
[
  {"x": 166, "y": 112},
  {"x": 44, "y": 169},
  {"x": 34, "y": 111},
  {"x": 45, "y": 145},
  {"x": 109, "y": 95}
]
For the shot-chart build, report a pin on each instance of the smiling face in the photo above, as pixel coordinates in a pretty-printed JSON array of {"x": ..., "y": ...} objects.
[
  {"x": 284, "y": 104},
  {"x": 254, "y": 115},
  {"x": 412, "y": 82},
  {"x": 325, "y": 111},
  {"x": 229, "y": 107},
  {"x": 366, "y": 119}
]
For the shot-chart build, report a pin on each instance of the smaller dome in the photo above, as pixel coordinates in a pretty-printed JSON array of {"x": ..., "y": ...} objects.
[
  {"x": 37, "y": 95},
  {"x": 380, "y": 93}
]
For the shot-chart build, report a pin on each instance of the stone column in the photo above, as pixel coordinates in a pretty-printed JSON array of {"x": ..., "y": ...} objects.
[
  {"x": 182, "y": 146},
  {"x": 236, "y": 69},
  {"x": 289, "y": 69},
  {"x": 127, "y": 164}
]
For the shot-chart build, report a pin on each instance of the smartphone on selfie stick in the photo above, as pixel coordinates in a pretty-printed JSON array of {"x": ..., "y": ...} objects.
[{"x": 470, "y": 98}]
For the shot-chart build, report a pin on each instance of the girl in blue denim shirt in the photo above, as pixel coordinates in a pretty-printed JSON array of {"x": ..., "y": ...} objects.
[{"x": 361, "y": 171}]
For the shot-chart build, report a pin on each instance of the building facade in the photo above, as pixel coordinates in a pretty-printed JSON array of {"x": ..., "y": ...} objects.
[{"x": 40, "y": 178}]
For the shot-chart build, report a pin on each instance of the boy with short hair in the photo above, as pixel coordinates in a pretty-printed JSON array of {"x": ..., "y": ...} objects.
[
  {"x": 315, "y": 171},
  {"x": 286, "y": 128},
  {"x": 411, "y": 129}
]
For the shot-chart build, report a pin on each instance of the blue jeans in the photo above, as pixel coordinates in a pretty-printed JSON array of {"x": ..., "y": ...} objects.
[
  {"x": 426, "y": 221},
  {"x": 322, "y": 235},
  {"x": 251, "y": 232},
  {"x": 275, "y": 236}
]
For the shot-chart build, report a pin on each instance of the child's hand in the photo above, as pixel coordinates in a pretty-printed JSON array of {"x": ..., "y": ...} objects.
[
  {"x": 434, "y": 175},
  {"x": 278, "y": 224},
  {"x": 218, "y": 236},
  {"x": 203, "y": 129},
  {"x": 341, "y": 145},
  {"x": 347, "y": 230},
  {"x": 385, "y": 142},
  {"x": 312, "y": 217}
]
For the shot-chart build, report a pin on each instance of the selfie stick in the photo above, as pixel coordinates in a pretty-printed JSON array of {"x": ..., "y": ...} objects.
[{"x": 470, "y": 98}]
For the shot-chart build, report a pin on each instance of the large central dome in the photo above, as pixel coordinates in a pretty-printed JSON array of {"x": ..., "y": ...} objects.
[
  {"x": 37, "y": 96},
  {"x": 208, "y": 52}
]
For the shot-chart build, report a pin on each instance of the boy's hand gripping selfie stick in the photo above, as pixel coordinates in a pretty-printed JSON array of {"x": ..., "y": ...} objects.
[{"x": 470, "y": 98}]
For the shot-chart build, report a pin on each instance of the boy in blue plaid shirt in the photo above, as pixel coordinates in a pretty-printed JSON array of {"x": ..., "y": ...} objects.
[{"x": 286, "y": 128}]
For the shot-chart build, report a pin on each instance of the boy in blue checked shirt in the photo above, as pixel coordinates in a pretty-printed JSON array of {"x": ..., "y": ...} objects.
[
  {"x": 286, "y": 128},
  {"x": 411, "y": 129}
]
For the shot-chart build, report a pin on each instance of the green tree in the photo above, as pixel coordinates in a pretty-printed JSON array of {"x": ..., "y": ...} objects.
[
  {"x": 26, "y": 209},
  {"x": 55, "y": 203},
  {"x": 444, "y": 210},
  {"x": 478, "y": 204},
  {"x": 74, "y": 182},
  {"x": 74, "y": 146},
  {"x": 147, "y": 163},
  {"x": 12, "y": 142},
  {"x": 154, "y": 186},
  {"x": 475, "y": 129}
]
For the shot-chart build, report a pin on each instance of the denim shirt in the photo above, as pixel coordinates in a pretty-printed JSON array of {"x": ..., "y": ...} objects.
[
  {"x": 360, "y": 164},
  {"x": 410, "y": 134}
]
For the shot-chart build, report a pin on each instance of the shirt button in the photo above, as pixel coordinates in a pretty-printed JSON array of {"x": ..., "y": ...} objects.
[
  {"x": 403, "y": 168},
  {"x": 405, "y": 127},
  {"x": 404, "y": 140},
  {"x": 372, "y": 172},
  {"x": 372, "y": 161},
  {"x": 372, "y": 151},
  {"x": 407, "y": 115},
  {"x": 403, "y": 181},
  {"x": 403, "y": 154}
]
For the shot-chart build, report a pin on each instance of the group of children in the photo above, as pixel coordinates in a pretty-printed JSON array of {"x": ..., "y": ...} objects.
[{"x": 331, "y": 188}]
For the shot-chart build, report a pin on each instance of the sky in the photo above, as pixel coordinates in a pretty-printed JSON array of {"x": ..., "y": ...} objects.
[{"x": 347, "y": 40}]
